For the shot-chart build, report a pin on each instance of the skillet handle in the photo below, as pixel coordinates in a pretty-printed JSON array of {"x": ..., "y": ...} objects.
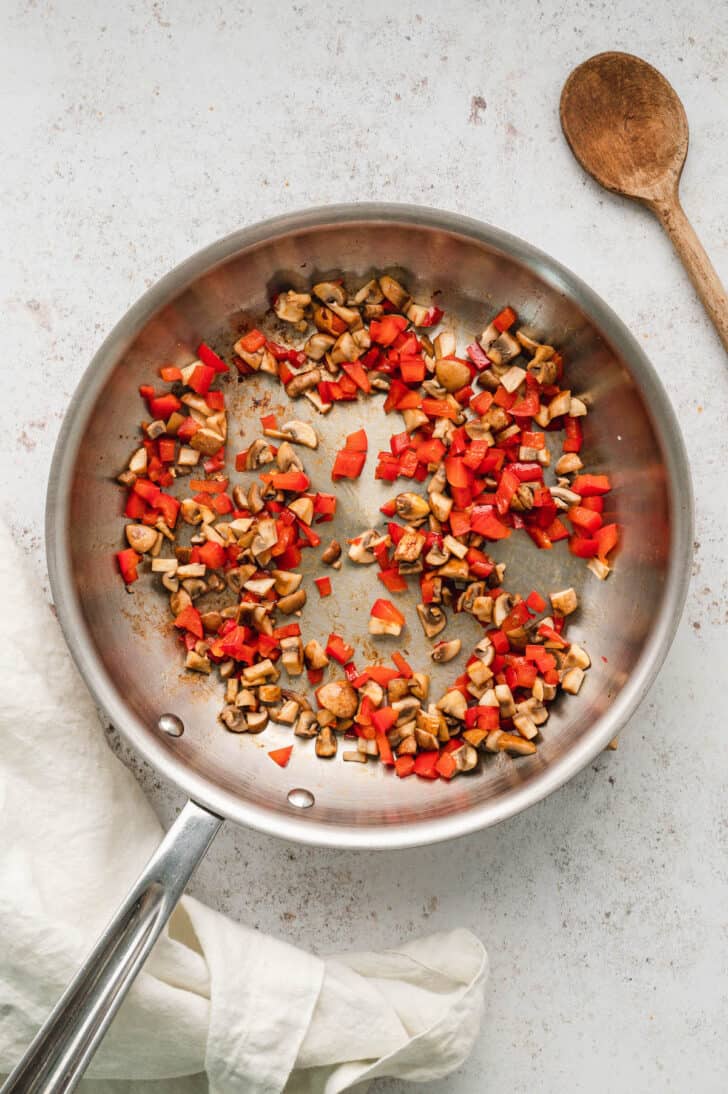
[{"x": 62, "y": 1049}]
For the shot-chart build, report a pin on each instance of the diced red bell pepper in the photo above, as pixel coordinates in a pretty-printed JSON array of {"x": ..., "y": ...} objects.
[
  {"x": 385, "y": 750},
  {"x": 189, "y": 620},
  {"x": 426, "y": 764},
  {"x": 484, "y": 520},
  {"x": 439, "y": 408},
  {"x": 323, "y": 584},
  {"x": 557, "y": 530},
  {"x": 355, "y": 372},
  {"x": 383, "y": 718},
  {"x": 324, "y": 505},
  {"x": 213, "y": 555},
  {"x": 588, "y": 485},
  {"x": 252, "y": 341},
  {"x": 163, "y": 406},
  {"x": 128, "y": 560},
  {"x": 337, "y": 648},
  {"x": 507, "y": 487},
  {"x": 585, "y": 521},
  {"x": 505, "y": 319},
  {"x": 583, "y": 546},
  {"x": 348, "y": 464},
  {"x": 574, "y": 438},
  {"x": 209, "y": 357},
  {"x": 404, "y": 667},
  {"x": 201, "y": 379},
  {"x": 147, "y": 490},
  {"x": 281, "y": 756},
  {"x": 167, "y": 449},
  {"x": 607, "y": 538},
  {"x": 295, "y": 481},
  {"x": 385, "y": 609},
  {"x": 170, "y": 373},
  {"x": 480, "y": 359},
  {"x": 187, "y": 429},
  {"x": 482, "y": 717},
  {"x": 393, "y": 580},
  {"x": 386, "y": 330},
  {"x": 357, "y": 442},
  {"x": 404, "y": 766},
  {"x": 535, "y": 601}
]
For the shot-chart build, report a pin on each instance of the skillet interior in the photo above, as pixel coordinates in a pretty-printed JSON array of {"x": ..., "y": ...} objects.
[{"x": 123, "y": 641}]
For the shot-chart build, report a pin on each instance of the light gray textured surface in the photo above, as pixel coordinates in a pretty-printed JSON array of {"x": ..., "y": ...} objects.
[{"x": 137, "y": 132}]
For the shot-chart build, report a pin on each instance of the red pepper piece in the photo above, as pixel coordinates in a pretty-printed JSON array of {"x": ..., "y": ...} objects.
[
  {"x": 505, "y": 319},
  {"x": 404, "y": 766},
  {"x": 281, "y": 756},
  {"x": 480, "y": 359},
  {"x": 588, "y": 485},
  {"x": 405, "y": 669},
  {"x": 163, "y": 406},
  {"x": 385, "y": 609},
  {"x": 393, "y": 580},
  {"x": 507, "y": 487},
  {"x": 383, "y": 719},
  {"x": 337, "y": 648},
  {"x": 295, "y": 481},
  {"x": 426, "y": 764},
  {"x": 128, "y": 560},
  {"x": 385, "y": 750},
  {"x": 585, "y": 521},
  {"x": 170, "y": 373},
  {"x": 189, "y": 620},
  {"x": 323, "y": 584},
  {"x": 385, "y": 331},
  {"x": 607, "y": 539},
  {"x": 355, "y": 372},
  {"x": 583, "y": 546},
  {"x": 210, "y": 358},
  {"x": 535, "y": 601},
  {"x": 252, "y": 341},
  {"x": 445, "y": 766},
  {"x": 213, "y": 555},
  {"x": 357, "y": 442},
  {"x": 348, "y": 464},
  {"x": 485, "y": 521}
]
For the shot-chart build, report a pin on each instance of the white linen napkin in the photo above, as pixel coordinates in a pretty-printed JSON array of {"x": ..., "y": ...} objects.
[{"x": 218, "y": 1006}]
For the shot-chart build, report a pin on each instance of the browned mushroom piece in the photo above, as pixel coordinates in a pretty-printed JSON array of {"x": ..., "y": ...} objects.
[
  {"x": 140, "y": 537},
  {"x": 338, "y": 697},
  {"x": 331, "y": 553},
  {"x": 446, "y": 651},
  {"x": 432, "y": 618},
  {"x": 287, "y": 458},
  {"x": 326, "y": 743},
  {"x": 412, "y": 507},
  {"x": 301, "y": 382},
  {"x": 452, "y": 374},
  {"x": 292, "y": 603}
]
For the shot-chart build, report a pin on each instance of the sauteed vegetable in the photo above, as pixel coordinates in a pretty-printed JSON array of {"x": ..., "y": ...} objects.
[{"x": 472, "y": 444}]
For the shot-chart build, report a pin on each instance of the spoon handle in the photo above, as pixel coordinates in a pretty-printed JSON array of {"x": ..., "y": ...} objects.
[{"x": 694, "y": 258}]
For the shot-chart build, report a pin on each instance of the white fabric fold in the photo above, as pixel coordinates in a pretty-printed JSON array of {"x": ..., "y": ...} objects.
[{"x": 218, "y": 1007}]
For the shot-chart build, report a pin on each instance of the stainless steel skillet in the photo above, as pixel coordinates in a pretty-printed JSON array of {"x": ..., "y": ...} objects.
[{"x": 121, "y": 641}]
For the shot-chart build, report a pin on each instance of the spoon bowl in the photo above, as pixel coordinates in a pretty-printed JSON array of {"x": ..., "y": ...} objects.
[{"x": 627, "y": 127}]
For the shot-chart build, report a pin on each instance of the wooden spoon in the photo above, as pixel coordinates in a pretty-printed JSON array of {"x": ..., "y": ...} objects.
[{"x": 628, "y": 129}]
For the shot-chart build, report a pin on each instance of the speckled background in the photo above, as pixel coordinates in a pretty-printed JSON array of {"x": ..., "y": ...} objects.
[{"x": 134, "y": 134}]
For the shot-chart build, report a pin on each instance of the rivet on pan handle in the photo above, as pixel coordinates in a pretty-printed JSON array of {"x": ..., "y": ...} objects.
[{"x": 61, "y": 1051}]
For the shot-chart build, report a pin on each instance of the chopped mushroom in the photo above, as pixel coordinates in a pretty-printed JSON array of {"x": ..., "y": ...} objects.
[
  {"x": 464, "y": 451},
  {"x": 564, "y": 602},
  {"x": 326, "y": 743},
  {"x": 332, "y": 553},
  {"x": 432, "y": 618},
  {"x": 339, "y": 698},
  {"x": 446, "y": 651}
]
